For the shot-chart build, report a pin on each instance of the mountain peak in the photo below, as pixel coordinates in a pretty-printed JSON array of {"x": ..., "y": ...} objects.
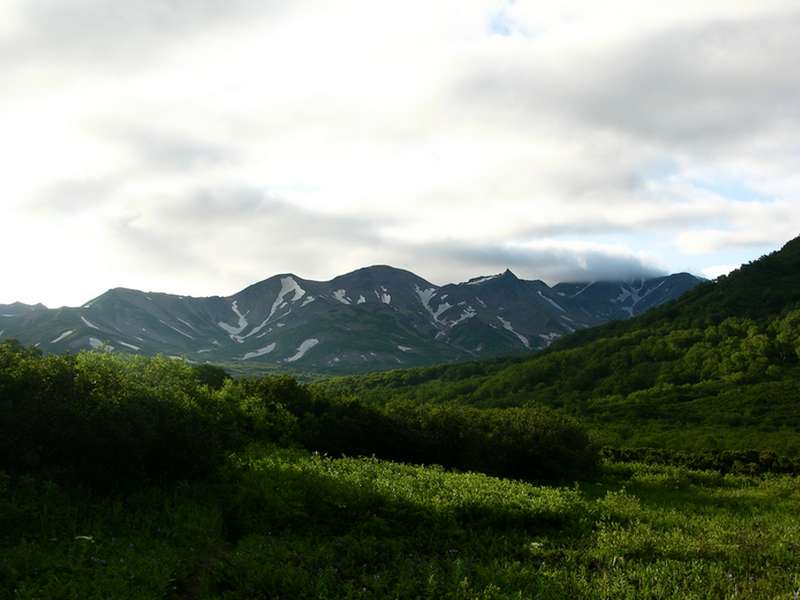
[{"x": 509, "y": 274}]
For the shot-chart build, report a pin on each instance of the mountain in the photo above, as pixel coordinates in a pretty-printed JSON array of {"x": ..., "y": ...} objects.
[
  {"x": 373, "y": 318},
  {"x": 757, "y": 290},
  {"x": 718, "y": 368},
  {"x": 18, "y": 308}
]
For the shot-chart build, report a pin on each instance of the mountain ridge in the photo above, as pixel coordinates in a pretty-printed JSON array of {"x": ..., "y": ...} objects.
[{"x": 372, "y": 318}]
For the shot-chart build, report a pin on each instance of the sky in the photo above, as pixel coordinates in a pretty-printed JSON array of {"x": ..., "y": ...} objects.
[{"x": 199, "y": 146}]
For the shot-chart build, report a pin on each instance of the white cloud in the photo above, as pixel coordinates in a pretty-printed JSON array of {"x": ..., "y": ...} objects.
[
  {"x": 715, "y": 271},
  {"x": 198, "y": 146}
]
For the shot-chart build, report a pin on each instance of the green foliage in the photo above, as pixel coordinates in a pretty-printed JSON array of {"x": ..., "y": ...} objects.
[
  {"x": 748, "y": 462},
  {"x": 730, "y": 385},
  {"x": 532, "y": 443},
  {"x": 288, "y": 524},
  {"x": 113, "y": 420},
  {"x": 527, "y": 443},
  {"x": 211, "y": 375}
]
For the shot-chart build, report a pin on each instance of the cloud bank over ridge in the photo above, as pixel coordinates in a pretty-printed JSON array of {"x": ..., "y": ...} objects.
[{"x": 197, "y": 147}]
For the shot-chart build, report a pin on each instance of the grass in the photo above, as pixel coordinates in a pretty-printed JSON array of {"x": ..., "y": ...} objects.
[{"x": 288, "y": 524}]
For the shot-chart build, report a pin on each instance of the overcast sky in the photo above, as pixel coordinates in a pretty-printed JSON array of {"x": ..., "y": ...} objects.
[{"x": 198, "y": 146}]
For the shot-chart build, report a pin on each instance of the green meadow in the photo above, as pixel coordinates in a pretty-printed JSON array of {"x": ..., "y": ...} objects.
[{"x": 277, "y": 523}]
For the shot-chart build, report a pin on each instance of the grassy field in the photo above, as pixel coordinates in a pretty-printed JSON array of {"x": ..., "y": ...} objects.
[{"x": 289, "y": 524}]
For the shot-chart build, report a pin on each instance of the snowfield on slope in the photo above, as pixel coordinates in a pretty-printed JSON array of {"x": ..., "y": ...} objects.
[
  {"x": 88, "y": 323},
  {"x": 260, "y": 352},
  {"x": 62, "y": 336},
  {"x": 302, "y": 349},
  {"x": 234, "y": 331},
  {"x": 507, "y": 325}
]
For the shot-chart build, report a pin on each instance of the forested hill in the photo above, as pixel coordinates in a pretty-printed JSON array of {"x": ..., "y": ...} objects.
[{"x": 719, "y": 367}]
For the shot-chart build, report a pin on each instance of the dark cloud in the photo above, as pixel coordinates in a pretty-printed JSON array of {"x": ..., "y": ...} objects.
[
  {"x": 250, "y": 207},
  {"x": 267, "y": 230},
  {"x": 552, "y": 264}
]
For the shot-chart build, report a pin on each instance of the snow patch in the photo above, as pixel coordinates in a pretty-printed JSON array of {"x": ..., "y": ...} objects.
[
  {"x": 62, "y": 336},
  {"x": 361, "y": 300},
  {"x": 507, "y": 325},
  {"x": 583, "y": 289},
  {"x": 234, "y": 331},
  {"x": 260, "y": 352},
  {"x": 189, "y": 325},
  {"x": 183, "y": 333},
  {"x": 551, "y": 301},
  {"x": 2, "y": 331},
  {"x": 89, "y": 323},
  {"x": 443, "y": 307},
  {"x": 635, "y": 295},
  {"x": 204, "y": 350},
  {"x": 405, "y": 348},
  {"x": 307, "y": 301},
  {"x": 425, "y": 296},
  {"x": 302, "y": 349},
  {"x": 131, "y": 346},
  {"x": 467, "y": 313},
  {"x": 480, "y": 280},
  {"x": 386, "y": 298},
  {"x": 340, "y": 296},
  {"x": 288, "y": 286}
]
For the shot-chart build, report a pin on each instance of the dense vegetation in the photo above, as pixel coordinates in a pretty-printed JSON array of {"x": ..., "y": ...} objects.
[{"x": 113, "y": 420}]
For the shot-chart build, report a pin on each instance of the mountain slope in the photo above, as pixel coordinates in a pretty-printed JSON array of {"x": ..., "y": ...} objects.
[
  {"x": 757, "y": 290},
  {"x": 719, "y": 367},
  {"x": 374, "y": 318}
]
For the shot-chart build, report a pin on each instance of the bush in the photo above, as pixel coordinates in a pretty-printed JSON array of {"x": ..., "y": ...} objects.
[{"x": 113, "y": 420}]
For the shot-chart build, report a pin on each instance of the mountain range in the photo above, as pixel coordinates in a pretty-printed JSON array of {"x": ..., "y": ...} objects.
[
  {"x": 373, "y": 318},
  {"x": 718, "y": 368}
]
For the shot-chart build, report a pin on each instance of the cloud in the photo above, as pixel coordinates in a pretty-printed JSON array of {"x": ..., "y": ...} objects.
[
  {"x": 693, "y": 86},
  {"x": 73, "y": 196},
  {"x": 165, "y": 150},
  {"x": 108, "y": 33},
  {"x": 198, "y": 146},
  {"x": 549, "y": 260},
  {"x": 715, "y": 271}
]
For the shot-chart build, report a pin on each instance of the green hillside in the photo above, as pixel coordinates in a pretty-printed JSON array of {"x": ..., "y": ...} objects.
[{"x": 718, "y": 368}]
